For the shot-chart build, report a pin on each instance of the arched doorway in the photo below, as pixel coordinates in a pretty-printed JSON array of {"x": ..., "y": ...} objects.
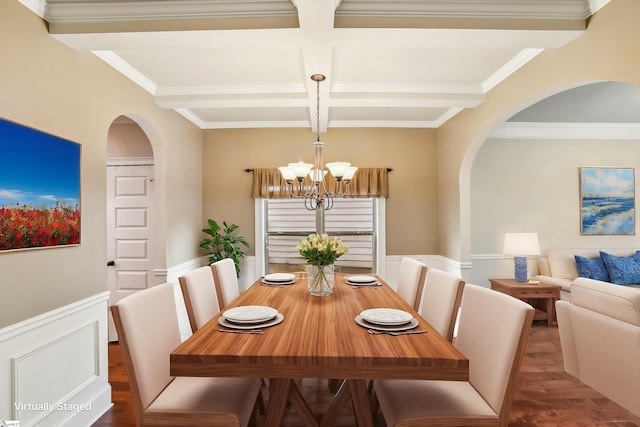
[
  {"x": 130, "y": 211},
  {"x": 523, "y": 175}
]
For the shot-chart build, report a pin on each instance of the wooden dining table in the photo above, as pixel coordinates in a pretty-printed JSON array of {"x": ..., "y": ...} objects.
[{"x": 319, "y": 338}]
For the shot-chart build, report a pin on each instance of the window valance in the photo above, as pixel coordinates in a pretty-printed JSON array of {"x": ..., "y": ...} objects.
[{"x": 367, "y": 182}]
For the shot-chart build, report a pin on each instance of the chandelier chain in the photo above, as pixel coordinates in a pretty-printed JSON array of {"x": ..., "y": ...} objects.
[
  {"x": 318, "y": 110},
  {"x": 316, "y": 194}
]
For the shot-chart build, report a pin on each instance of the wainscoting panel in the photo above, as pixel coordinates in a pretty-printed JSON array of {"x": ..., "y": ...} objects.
[
  {"x": 53, "y": 364},
  {"x": 56, "y": 366}
]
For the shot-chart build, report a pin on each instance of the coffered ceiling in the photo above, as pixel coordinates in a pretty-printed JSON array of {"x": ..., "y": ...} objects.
[{"x": 247, "y": 63}]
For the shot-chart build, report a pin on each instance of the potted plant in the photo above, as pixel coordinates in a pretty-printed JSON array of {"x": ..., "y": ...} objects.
[{"x": 223, "y": 244}]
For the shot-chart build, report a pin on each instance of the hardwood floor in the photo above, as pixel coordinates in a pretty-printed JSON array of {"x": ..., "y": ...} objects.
[{"x": 546, "y": 396}]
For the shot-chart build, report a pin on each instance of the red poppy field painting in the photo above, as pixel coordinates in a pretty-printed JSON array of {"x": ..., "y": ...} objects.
[{"x": 39, "y": 189}]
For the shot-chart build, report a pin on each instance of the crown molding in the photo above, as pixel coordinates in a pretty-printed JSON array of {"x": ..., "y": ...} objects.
[
  {"x": 503, "y": 9},
  {"x": 87, "y": 11},
  {"x": 123, "y": 67},
  {"x": 509, "y": 68},
  {"x": 251, "y": 124},
  {"x": 143, "y": 10},
  {"x": 446, "y": 116},
  {"x": 231, "y": 90},
  {"x": 204, "y": 101},
  {"x": 595, "y": 5},
  {"x": 593, "y": 131},
  {"x": 36, "y": 6},
  {"x": 346, "y": 88}
]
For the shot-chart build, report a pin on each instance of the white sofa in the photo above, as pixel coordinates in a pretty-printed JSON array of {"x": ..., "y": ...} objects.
[
  {"x": 559, "y": 266},
  {"x": 600, "y": 338}
]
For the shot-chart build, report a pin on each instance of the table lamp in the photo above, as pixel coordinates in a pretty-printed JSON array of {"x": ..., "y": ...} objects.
[{"x": 520, "y": 245}]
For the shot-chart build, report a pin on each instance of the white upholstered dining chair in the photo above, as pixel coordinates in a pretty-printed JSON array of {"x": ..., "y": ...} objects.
[
  {"x": 411, "y": 280},
  {"x": 147, "y": 325},
  {"x": 493, "y": 332},
  {"x": 440, "y": 301},
  {"x": 200, "y": 296},
  {"x": 226, "y": 279}
]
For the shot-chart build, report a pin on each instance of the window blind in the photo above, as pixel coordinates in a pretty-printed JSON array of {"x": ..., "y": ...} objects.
[{"x": 352, "y": 220}]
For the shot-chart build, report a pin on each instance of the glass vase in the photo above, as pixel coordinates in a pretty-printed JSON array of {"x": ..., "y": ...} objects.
[{"x": 320, "y": 279}]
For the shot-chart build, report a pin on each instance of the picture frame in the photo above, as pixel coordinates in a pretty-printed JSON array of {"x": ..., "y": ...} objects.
[
  {"x": 607, "y": 201},
  {"x": 39, "y": 189}
]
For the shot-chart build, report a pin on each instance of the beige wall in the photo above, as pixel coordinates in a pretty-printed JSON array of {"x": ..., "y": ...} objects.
[
  {"x": 412, "y": 202},
  {"x": 74, "y": 95},
  {"x": 536, "y": 189},
  {"x": 606, "y": 51}
]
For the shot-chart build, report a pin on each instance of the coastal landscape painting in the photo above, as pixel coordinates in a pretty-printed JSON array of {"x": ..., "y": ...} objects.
[
  {"x": 607, "y": 201},
  {"x": 39, "y": 189}
]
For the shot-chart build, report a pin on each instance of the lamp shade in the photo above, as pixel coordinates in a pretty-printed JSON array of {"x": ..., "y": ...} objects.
[
  {"x": 338, "y": 169},
  {"x": 521, "y": 244},
  {"x": 287, "y": 173},
  {"x": 351, "y": 170},
  {"x": 300, "y": 169}
]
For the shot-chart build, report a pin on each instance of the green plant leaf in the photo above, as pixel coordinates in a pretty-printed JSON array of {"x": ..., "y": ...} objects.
[{"x": 223, "y": 244}]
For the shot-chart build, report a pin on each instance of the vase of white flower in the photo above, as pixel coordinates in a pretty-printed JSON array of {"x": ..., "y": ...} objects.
[
  {"x": 320, "y": 279},
  {"x": 321, "y": 252}
]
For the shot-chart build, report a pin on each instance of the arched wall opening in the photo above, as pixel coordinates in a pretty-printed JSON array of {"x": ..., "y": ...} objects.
[
  {"x": 133, "y": 247},
  {"x": 524, "y": 176},
  {"x": 127, "y": 139},
  {"x": 134, "y": 140},
  {"x": 600, "y": 54}
]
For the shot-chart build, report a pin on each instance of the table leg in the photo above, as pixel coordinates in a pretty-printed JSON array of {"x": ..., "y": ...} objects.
[
  {"x": 361, "y": 402},
  {"x": 551, "y": 311},
  {"x": 338, "y": 402},
  {"x": 301, "y": 405},
  {"x": 357, "y": 391},
  {"x": 278, "y": 392}
]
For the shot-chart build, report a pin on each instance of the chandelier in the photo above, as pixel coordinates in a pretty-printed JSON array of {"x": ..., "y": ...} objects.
[{"x": 317, "y": 195}]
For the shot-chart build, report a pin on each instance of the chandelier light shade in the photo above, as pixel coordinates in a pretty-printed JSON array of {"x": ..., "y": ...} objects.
[
  {"x": 300, "y": 169},
  {"x": 317, "y": 195},
  {"x": 338, "y": 169},
  {"x": 287, "y": 173}
]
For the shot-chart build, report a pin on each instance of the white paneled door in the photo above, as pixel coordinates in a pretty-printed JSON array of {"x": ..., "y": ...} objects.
[{"x": 129, "y": 231}]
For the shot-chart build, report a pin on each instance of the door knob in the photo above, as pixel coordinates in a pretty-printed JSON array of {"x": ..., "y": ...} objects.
[{"x": 111, "y": 263}]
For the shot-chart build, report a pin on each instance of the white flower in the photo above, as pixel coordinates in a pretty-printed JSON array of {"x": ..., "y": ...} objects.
[{"x": 321, "y": 249}]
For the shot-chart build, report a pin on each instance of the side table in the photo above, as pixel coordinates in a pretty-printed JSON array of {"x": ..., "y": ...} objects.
[{"x": 542, "y": 297}]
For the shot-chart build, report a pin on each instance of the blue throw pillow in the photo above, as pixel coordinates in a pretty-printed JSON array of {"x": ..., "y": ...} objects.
[
  {"x": 623, "y": 270},
  {"x": 592, "y": 268}
]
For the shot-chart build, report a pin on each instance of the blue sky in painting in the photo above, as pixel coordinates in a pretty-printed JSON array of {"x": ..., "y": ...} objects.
[
  {"x": 605, "y": 182},
  {"x": 37, "y": 169}
]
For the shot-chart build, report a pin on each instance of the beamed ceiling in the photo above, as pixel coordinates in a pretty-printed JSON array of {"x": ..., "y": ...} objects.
[{"x": 247, "y": 63}]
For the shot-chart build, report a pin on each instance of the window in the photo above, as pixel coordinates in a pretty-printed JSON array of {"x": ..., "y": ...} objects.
[{"x": 284, "y": 222}]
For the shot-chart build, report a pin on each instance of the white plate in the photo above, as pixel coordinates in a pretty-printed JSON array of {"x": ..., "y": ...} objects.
[
  {"x": 222, "y": 321},
  {"x": 386, "y": 316},
  {"x": 288, "y": 282},
  {"x": 361, "y": 279},
  {"x": 404, "y": 327},
  {"x": 349, "y": 282},
  {"x": 279, "y": 277},
  {"x": 250, "y": 314}
]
